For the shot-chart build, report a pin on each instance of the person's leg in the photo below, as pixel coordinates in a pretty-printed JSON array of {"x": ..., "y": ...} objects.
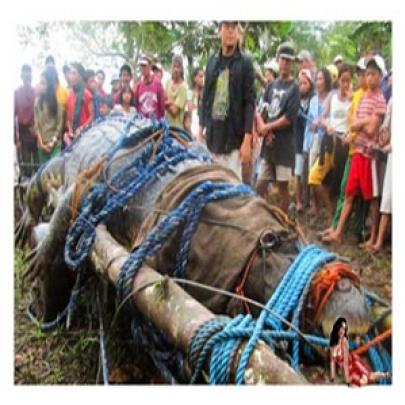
[
  {"x": 374, "y": 215},
  {"x": 341, "y": 198},
  {"x": 284, "y": 196},
  {"x": 262, "y": 187},
  {"x": 298, "y": 193},
  {"x": 382, "y": 229},
  {"x": 336, "y": 234},
  {"x": 264, "y": 178}
]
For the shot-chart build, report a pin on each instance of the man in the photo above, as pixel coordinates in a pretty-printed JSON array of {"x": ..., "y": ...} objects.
[
  {"x": 25, "y": 136},
  {"x": 125, "y": 80},
  {"x": 305, "y": 61},
  {"x": 281, "y": 104},
  {"x": 228, "y": 101},
  {"x": 149, "y": 94},
  {"x": 100, "y": 79},
  {"x": 176, "y": 92}
]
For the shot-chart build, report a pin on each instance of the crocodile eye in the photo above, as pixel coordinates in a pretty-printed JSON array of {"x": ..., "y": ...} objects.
[{"x": 344, "y": 285}]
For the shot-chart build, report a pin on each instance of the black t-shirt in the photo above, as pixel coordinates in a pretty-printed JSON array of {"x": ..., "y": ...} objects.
[
  {"x": 301, "y": 123},
  {"x": 281, "y": 98}
]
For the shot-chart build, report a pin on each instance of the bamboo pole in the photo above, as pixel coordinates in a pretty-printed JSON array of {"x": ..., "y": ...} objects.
[{"x": 179, "y": 315}]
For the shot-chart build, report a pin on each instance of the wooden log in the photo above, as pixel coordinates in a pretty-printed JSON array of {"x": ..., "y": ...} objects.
[{"x": 177, "y": 314}]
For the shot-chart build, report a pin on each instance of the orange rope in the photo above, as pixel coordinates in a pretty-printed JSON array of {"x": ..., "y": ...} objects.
[
  {"x": 323, "y": 285},
  {"x": 362, "y": 349}
]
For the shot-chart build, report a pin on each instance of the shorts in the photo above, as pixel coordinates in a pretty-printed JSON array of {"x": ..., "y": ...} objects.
[
  {"x": 318, "y": 172},
  {"x": 231, "y": 161},
  {"x": 270, "y": 172},
  {"x": 299, "y": 164},
  {"x": 363, "y": 177}
]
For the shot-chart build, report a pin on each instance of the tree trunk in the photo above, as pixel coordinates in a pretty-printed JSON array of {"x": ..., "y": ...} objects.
[{"x": 179, "y": 315}]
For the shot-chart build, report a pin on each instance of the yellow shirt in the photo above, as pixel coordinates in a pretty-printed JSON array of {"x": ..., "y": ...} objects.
[
  {"x": 62, "y": 95},
  {"x": 357, "y": 96}
]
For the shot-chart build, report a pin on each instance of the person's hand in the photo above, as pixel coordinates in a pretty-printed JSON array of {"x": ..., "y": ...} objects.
[
  {"x": 384, "y": 137},
  {"x": 260, "y": 127},
  {"x": 330, "y": 130},
  {"x": 246, "y": 149},
  {"x": 314, "y": 124},
  {"x": 347, "y": 138},
  {"x": 387, "y": 148},
  {"x": 356, "y": 125},
  {"x": 200, "y": 135},
  {"x": 269, "y": 137}
]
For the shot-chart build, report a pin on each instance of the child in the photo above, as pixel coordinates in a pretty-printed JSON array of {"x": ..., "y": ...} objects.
[
  {"x": 349, "y": 139},
  {"x": 306, "y": 87},
  {"x": 106, "y": 105},
  {"x": 363, "y": 171},
  {"x": 126, "y": 100},
  {"x": 328, "y": 167}
]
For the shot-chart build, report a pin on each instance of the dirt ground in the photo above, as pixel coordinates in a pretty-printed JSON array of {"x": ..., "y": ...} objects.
[{"x": 72, "y": 357}]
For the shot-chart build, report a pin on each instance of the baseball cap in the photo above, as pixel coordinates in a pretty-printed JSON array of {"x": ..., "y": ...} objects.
[
  {"x": 144, "y": 60},
  {"x": 272, "y": 65},
  {"x": 379, "y": 61},
  {"x": 306, "y": 73},
  {"x": 361, "y": 63},
  {"x": 304, "y": 54},
  {"x": 286, "y": 51},
  {"x": 338, "y": 58}
]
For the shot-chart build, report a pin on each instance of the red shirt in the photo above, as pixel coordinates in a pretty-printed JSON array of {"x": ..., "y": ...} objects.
[
  {"x": 24, "y": 100},
  {"x": 85, "y": 110},
  {"x": 150, "y": 99},
  {"x": 372, "y": 103}
]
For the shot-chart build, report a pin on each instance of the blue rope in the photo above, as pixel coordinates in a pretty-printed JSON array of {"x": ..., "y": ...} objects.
[{"x": 286, "y": 301}]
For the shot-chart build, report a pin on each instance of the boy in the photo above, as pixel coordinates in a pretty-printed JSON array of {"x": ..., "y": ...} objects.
[
  {"x": 106, "y": 105},
  {"x": 278, "y": 151},
  {"x": 363, "y": 172}
]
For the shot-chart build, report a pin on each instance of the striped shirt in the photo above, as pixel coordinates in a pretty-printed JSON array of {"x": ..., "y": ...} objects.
[{"x": 372, "y": 103}]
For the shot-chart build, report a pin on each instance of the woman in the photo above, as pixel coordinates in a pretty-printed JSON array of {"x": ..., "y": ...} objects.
[
  {"x": 126, "y": 101},
  {"x": 194, "y": 103},
  {"x": 306, "y": 86},
  {"x": 48, "y": 115},
  {"x": 315, "y": 127},
  {"x": 356, "y": 372},
  {"x": 327, "y": 171},
  {"x": 80, "y": 109}
]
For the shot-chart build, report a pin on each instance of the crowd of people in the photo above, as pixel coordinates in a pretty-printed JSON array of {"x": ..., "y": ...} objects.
[{"x": 325, "y": 129}]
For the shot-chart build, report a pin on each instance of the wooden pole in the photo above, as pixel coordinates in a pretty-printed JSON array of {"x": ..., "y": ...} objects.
[{"x": 177, "y": 314}]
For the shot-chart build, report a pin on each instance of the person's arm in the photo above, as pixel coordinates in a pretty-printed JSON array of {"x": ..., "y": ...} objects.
[
  {"x": 180, "y": 102},
  {"x": 90, "y": 107},
  {"x": 61, "y": 120},
  {"x": 161, "y": 100},
  {"x": 372, "y": 125}
]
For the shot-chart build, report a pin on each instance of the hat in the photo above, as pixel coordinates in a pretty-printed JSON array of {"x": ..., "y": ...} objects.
[
  {"x": 115, "y": 78},
  {"x": 157, "y": 66},
  {"x": 306, "y": 73},
  {"x": 144, "y": 60},
  {"x": 361, "y": 64},
  {"x": 286, "y": 51},
  {"x": 379, "y": 61},
  {"x": 338, "y": 58},
  {"x": 272, "y": 65},
  {"x": 333, "y": 70},
  {"x": 304, "y": 55}
]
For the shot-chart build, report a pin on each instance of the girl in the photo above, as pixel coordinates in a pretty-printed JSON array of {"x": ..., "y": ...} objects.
[
  {"x": 80, "y": 109},
  {"x": 327, "y": 172},
  {"x": 315, "y": 126},
  {"x": 194, "y": 104},
  {"x": 48, "y": 115},
  {"x": 306, "y": 86},
  {"x": 126, "y": 101},
  {"x": 356, "y": 372}
]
